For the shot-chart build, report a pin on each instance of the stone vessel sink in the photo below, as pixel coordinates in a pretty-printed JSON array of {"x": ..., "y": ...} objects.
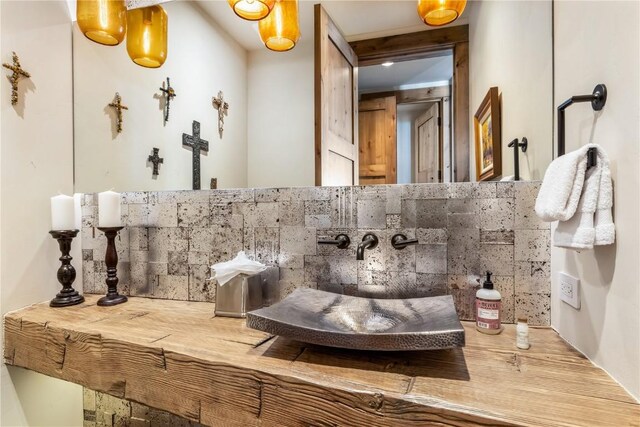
[{"x": 343, "y": 321}]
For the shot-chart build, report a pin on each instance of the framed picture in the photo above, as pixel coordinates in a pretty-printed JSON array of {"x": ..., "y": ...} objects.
[{"x": 486, "y": 124}]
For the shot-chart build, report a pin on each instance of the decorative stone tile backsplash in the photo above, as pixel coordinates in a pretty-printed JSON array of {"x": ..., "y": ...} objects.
[{"x": 464, "y": 229}]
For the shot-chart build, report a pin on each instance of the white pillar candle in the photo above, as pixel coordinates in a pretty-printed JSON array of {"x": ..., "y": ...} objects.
[
  {"x": 77, "y": 209},
  {"x": 109, "y": 209},
  {"x": 62, "y": 214}
]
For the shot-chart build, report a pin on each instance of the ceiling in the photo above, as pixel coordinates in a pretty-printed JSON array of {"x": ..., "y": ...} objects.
[
  {"x": 406, "y": 75},
  {"x": 357, "y": 19}
]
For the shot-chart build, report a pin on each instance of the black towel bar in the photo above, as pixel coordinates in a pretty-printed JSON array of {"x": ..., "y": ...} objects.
[{"x": 598, "y": 99}]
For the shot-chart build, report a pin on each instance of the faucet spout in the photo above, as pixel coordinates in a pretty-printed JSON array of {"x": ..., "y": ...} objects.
[{"x": 369, "y": 241}]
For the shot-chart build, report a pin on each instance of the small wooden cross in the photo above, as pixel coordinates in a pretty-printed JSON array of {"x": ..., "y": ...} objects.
[
  {"x": 156, "y": 160},
  {"x": 17, "y": 73},
  {"x": 197, "y": 144},
  {"x": 169, "y": 94},
  {"x": 118, "y": 106},
  {"x": 223, "y": 110}
]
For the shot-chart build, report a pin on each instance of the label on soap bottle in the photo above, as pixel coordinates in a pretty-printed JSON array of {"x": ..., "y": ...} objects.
[{"x": 488, "y": 313}]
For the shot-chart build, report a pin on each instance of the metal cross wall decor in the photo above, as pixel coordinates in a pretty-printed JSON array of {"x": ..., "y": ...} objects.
[
  {"x": 169, "y": 94},
  {"x": 119, "y": 107},
  {"x": 17, "y": 73},
  {"x": 156, "y": 160},
  {"x": 197, "y": 144},
  {"x": 223, "y": 110}
]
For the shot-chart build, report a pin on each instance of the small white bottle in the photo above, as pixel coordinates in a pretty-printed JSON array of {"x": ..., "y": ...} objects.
[
  {"x": 488, "y": 308},
  {"x": 522, "y": 334}
]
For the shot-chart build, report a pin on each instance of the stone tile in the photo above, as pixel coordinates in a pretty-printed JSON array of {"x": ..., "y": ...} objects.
[
  {"x": 193, "y": 214},
  {"x": 137, "y": 215},
  {"x": 431, "y": 285},
  {"x": 200, "y": 258},
  {"x": 185, "y": 196},
  {"x": 431, "y": 259},
  {"x": 394, "y": 197},
  {"x": 504, "y": 285},
  {"x": 370, "y": 192},
  {"x": 292, "y": 212},
  {"x": 496, "y": 214},
  {"x": 310, "y": 193},
  {"x": 463, "y": 288},
  {"x": 224, "y": 245},
  {"x": 402, "y": 284},
  {"x": 533, "y": 277},
  {"x": 200, "y": 285},
  {"x": 394, "y": 221},
  {"x": 431, "y": 235},
  {"x": 374, "y": 259},
  {"x": 372, "y": 214},
  {"x": 463, "y": 248},
  {"x": 172, "y": 287},
  {"x": 163, "y": 240},
  {"x": 462, "y": 206},
  {"x": 297, "y": 240},
  {"x": 532, "y": 245},
  {"x": 462, "y": 220},
  {"x": 525, "y": 201},
  {"x": 408, "y": 214},
  {"x": 425, "y": 191},
  {"x": 498, "y": 259},
  {"x": 505, "y": 189},
  {"x": 88, "y": 279},
  {"x": 376, "y": 279},
  {"x": 178, "y": 264},
  {"x": 317, "y": 221},
  {"x": 317, "y": 207},
  {"x": 163, "y": 215},
  {"x": 258, "y": 214},
  {"x": 87, "y": 254},
  {"x": 267, "y": 245},
  {"x": 372, "y": 291},
  {"x": 535, "y": 307},
  {"x": 400, "y": 259},
  {"x": 343, "y": 207},
  {"x": 234, "y": 195},
  {"x": 132, "y": 197},
  {"x": 330, "y": 270},
  {"x": 431, "y": 213},
  {"x": 138, "y": 238},
  {"x": 292, "y": 275},
  {"x": 472, "y": 190},
  {"x": 272, "y": 194},
  {"x": 142, "y": 283},
  {"x": 497, "y": 237},
  {"x": 110, "y": 404},
  {"x": 286, "y": 288},
  {"x": 323, "y": 249},
  {"x": 286, "y": 260}
]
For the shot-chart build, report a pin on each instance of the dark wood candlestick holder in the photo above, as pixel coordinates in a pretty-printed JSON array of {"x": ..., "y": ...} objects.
[
  {"x": 111, "y": 259},
  {"x": 66, "y": 273}
]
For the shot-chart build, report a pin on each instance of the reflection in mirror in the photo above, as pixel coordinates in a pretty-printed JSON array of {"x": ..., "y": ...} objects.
[{"x": 268, "y": 138}]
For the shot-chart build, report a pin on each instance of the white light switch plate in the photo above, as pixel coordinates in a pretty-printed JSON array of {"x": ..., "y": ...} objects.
[{"x": 570, "y": 290}]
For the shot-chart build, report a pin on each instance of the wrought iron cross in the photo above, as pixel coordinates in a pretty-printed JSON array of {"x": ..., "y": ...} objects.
[
  {"x": 17, "y": 73},
  {"x": 156, "y": 160},
  {"x": 197, "y": 144},
  {"x": 169, "y": 94},
  {"x": 119, "y": 107},
  {"x": 223, "y": 110}
]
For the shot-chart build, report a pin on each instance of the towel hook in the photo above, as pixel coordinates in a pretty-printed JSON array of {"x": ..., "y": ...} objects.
[{"x": 598, "y": 100}]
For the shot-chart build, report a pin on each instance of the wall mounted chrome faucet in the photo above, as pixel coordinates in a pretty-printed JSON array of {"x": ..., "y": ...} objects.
[
  {"x": 341, "y": 241},
  {"x": 369, "y": 241},
  {"x": 399, "y": 241}
]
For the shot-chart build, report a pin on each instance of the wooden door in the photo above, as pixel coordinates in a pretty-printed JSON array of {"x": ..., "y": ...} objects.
[
  {"x": 427, "y": 147},
  {"x": 377, "y": 141},
  {"x": 336, "y": 108}
]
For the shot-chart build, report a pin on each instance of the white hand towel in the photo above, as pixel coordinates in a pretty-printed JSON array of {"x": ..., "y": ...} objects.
[
  {"x": 562, "y": 186},
  {"x": 585, "y": 220}
]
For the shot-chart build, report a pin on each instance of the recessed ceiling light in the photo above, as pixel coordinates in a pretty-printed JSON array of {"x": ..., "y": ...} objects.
[{"x": 387, "y": 64}]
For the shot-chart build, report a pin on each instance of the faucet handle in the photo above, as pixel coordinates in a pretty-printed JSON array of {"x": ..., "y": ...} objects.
[
  {"x": 342, "y": 241},
  {"x": 399, "y": 241}
]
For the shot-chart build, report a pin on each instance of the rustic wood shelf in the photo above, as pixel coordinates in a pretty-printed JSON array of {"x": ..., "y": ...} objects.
[{"x": 176, "y": 356}]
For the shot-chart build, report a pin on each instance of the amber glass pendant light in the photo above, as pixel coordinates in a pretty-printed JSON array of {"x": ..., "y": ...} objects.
[
  {"x": 252, "y": 10},
  {"x": 280, "y": 30},
  {"x": 147, "y": 36},
  {"x": 440, "y": 12},
  {"x": 103, "y": 21}
]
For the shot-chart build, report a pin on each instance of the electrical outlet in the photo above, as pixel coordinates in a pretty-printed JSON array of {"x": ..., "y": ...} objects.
[{"x": 570, "y": 290}]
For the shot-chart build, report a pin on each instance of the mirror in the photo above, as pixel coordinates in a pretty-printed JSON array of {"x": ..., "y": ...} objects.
[{"x": 269, "y": 129}]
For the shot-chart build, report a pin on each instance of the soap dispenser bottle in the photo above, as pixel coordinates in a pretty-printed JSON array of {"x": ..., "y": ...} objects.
[{"x": 488, "y": 307}]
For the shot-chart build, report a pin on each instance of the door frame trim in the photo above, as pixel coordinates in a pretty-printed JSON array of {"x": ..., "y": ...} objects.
[{"x": 429, "y": 43}]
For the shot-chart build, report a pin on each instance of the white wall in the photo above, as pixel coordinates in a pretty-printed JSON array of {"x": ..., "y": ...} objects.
[
  {"x": 599, "y": 42},
  {"x": 510, "y": 47},
  {"x": 202, "y": 59},
  {"x": 36, "y": 161},
  {"x": 281, "y": 117}
]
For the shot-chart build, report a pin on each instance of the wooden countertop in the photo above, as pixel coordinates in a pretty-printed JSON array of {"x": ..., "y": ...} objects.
[{"x": 176, "y": 356}]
